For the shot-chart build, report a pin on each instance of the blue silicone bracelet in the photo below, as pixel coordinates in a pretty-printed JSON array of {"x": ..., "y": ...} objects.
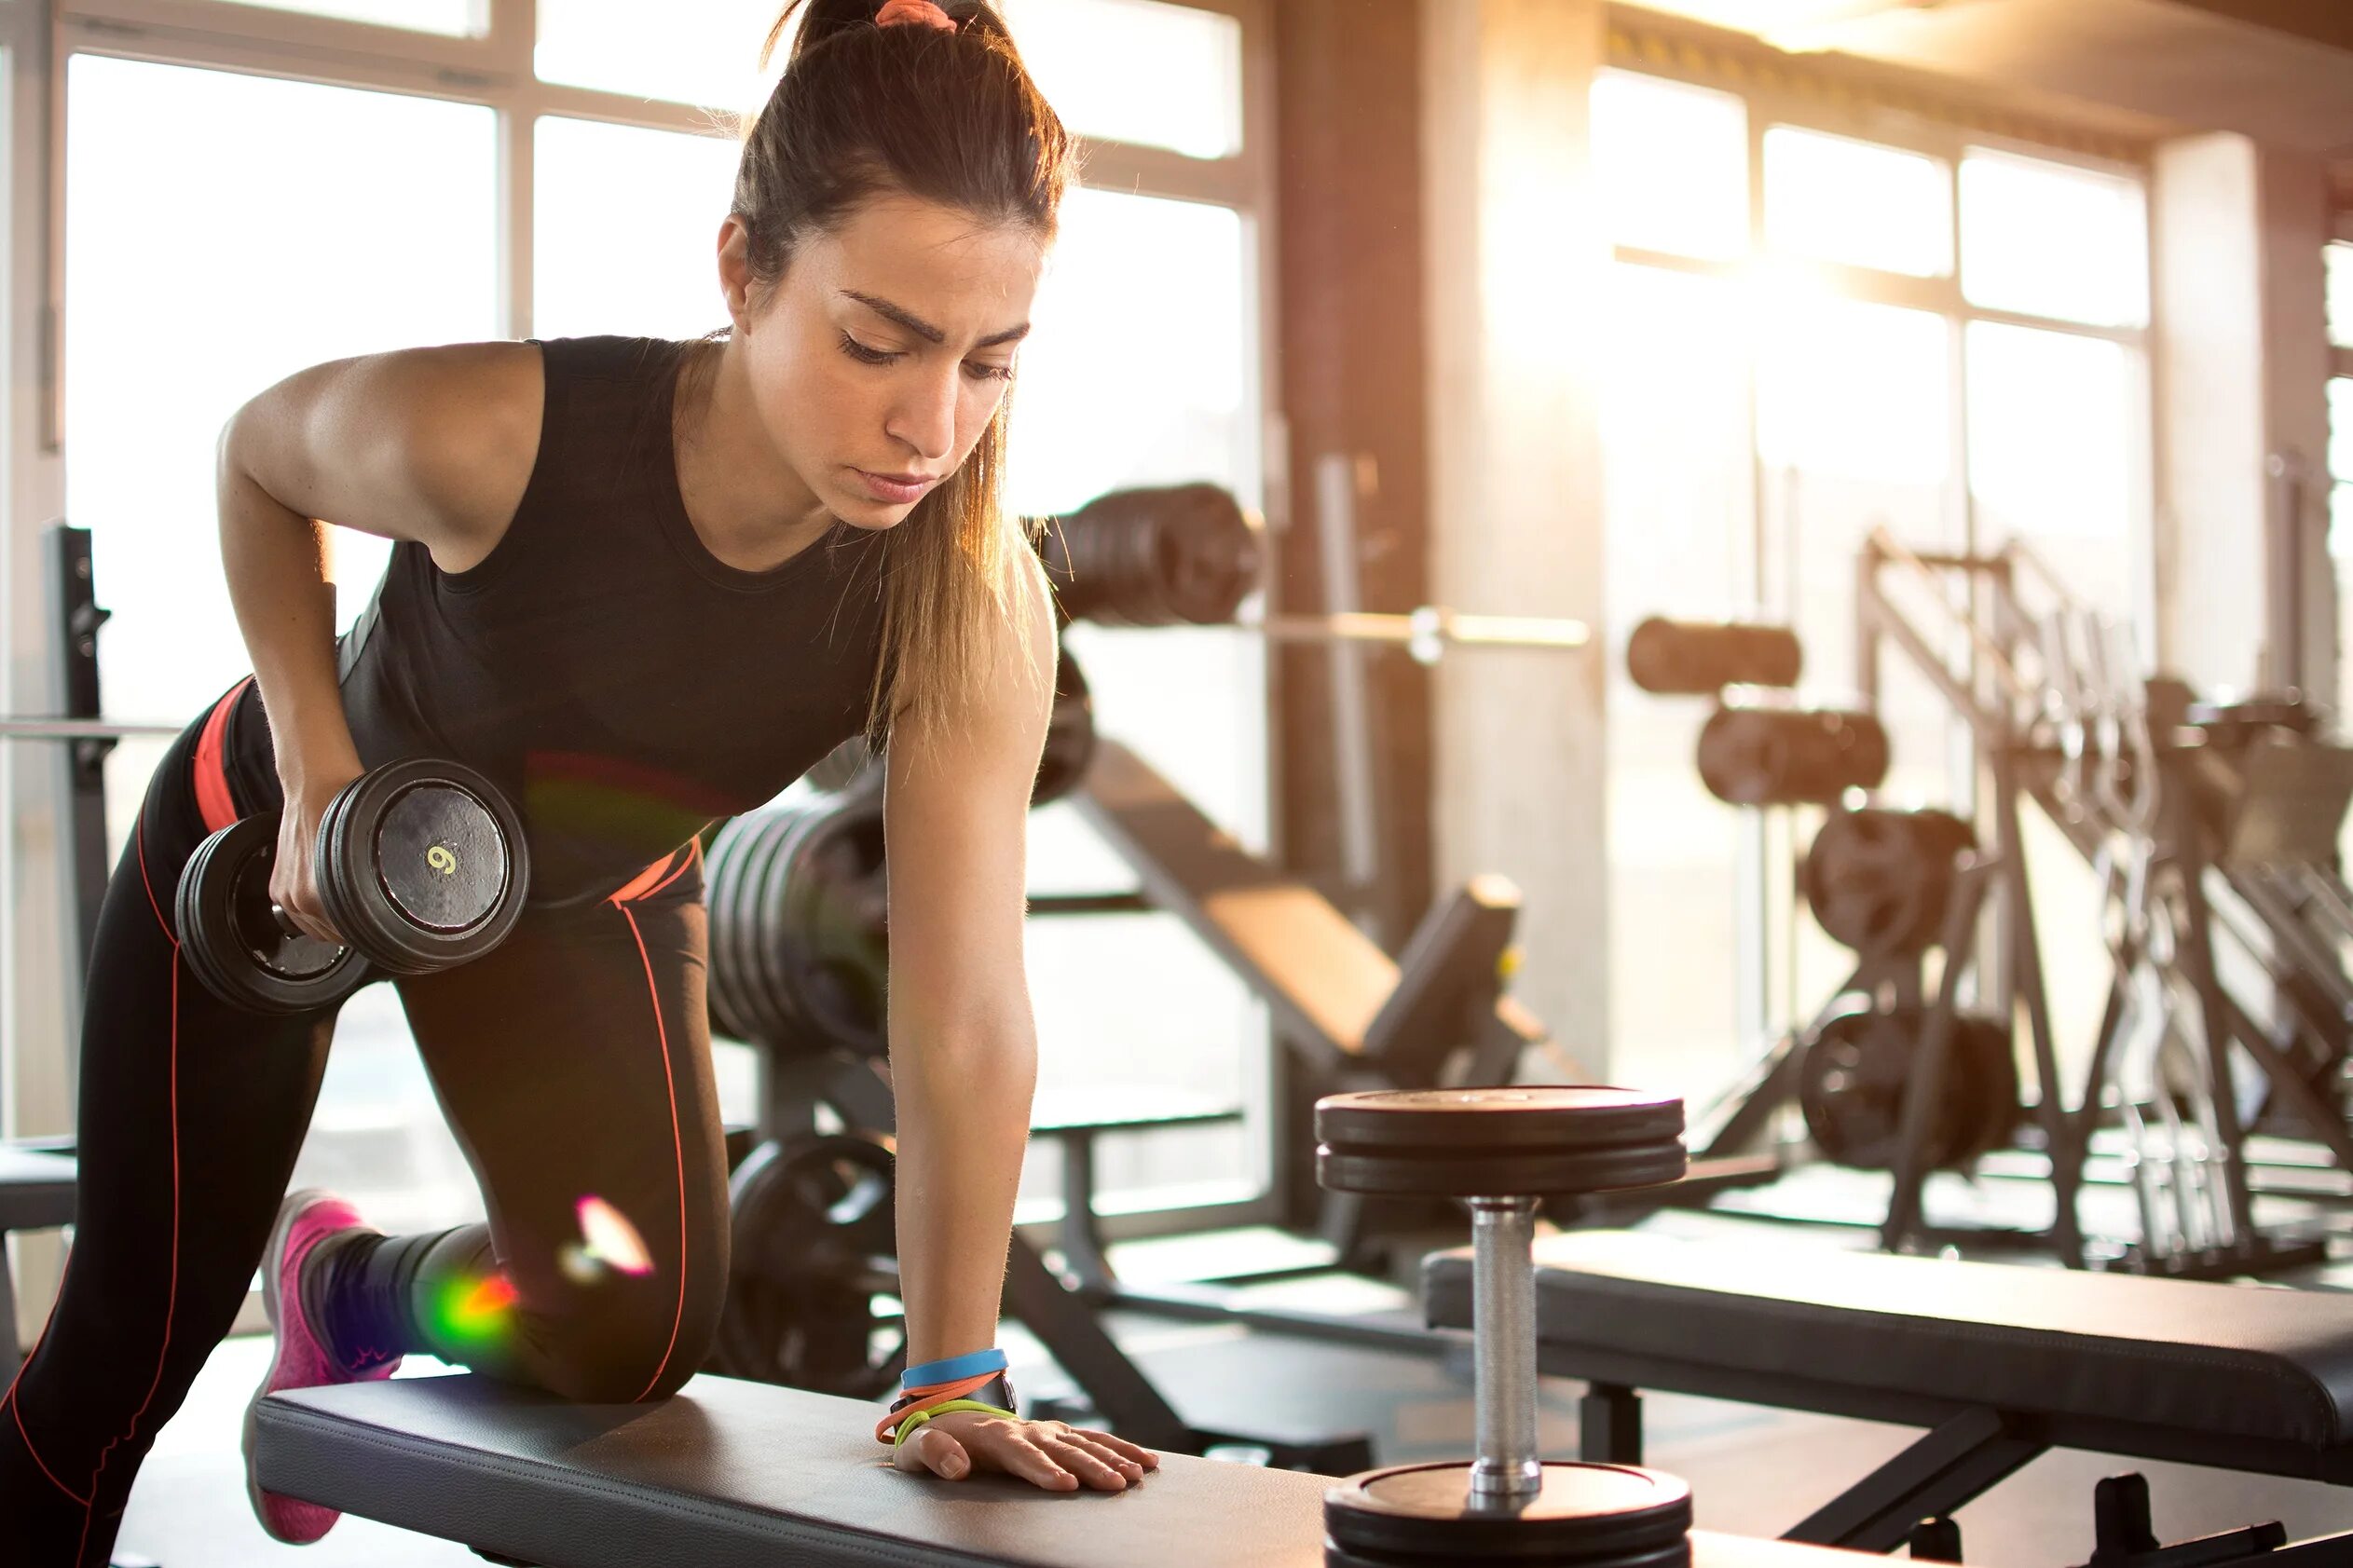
[{"x": 934, "y": 1372}]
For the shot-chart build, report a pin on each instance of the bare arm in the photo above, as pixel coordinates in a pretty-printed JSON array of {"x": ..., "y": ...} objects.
[
  {"x": 964, "y": 1048},
  {"x": 430, "y": 444}
]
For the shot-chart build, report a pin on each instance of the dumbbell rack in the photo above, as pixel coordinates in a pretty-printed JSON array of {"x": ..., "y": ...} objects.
[{"x": 2059, "y": 720}]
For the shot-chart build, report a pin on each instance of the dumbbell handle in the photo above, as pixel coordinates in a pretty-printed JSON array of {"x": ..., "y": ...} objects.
[{"x": 1503, "y": 1319}]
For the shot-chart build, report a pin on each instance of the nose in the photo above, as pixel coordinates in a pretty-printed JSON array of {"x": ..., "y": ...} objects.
[{"x": 926, "y": 416}]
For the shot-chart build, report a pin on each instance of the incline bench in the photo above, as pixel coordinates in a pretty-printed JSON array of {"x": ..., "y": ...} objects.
[
  {"x": 2000, "y": 1362},
  {"x": 745, "y": 1475}
]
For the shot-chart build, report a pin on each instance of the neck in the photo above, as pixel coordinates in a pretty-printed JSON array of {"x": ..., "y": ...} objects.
[{"x": 745, "y": 502}]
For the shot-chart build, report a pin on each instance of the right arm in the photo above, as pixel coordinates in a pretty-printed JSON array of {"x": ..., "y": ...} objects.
[{"x": 432, "y": 445}]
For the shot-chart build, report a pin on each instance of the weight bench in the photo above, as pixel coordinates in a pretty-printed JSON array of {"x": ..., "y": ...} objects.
[
  {"x": 36, "y": 1193},
  {"x": 2000, "y": 1362},
  {"x": 744, "y": 1475}
]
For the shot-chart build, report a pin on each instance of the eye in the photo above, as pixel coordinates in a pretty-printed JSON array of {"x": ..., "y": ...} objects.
[
  {"x": 987, "y": 373},
  {"x": 865, "y": 355}
]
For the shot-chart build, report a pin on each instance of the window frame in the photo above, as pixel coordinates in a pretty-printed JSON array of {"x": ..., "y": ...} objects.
[
  {"x": 493, "y": 68},
  {"x": 1766, "y": 987}
]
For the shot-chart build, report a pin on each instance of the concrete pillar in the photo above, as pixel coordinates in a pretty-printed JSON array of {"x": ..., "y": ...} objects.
[
  {"x": 2246, "y": 592},
  {"x": 1515, "y": 257}
]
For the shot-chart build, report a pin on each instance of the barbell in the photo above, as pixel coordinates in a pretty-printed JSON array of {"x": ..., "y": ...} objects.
[
  {"x": 21, "y": 729},
  {"x": 1193, "y": 555}
]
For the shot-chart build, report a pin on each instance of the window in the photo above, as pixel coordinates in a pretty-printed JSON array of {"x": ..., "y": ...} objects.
[
  {"x": 1959, "y": 384},
  {"x": 1111, "y": 395},
  {"x": 1189, "y": 101},
  {"x": 1671, "y": 165},
  {"x": 2338, "y": 258},
  {"x": 626, "y": 230},
  {"x": 2044, "y": 238},
  {"x": 1838, "y": 199},
  {"x": 456, "y": 18},
  {"x": 393, "y": 199},
  {"x": 684, "y": 51}
]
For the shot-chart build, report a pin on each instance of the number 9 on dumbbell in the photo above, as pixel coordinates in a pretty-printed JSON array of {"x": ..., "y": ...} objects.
[{"x": 421, "y": 865}]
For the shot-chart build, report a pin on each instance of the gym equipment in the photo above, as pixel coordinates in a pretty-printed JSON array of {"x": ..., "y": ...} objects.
[
  {"x": 1167, "y": 555},
  {"x": 1997, "y": 1364},
  {"x": 812, "y": 1241},
  {"x": 1878, "y": 881},
  {"x": 421, "y": 865},
  {"x": 1699, "y": 658},
  {"x": 36, "y": 1193},
  {"x": 2203, "y": 835},
  {"x": 1854, "y": 1075},
  {"x": 1790, "y": 757},
  {"x": 732, "y": 1474},
  {"x": 800, "y": 925},
  {"x": 1498, "y": 1149},
  {"x": 1189, "y": 554}
]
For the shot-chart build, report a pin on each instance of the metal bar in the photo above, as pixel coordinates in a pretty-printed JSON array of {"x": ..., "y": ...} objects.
[
  {"x": 1091, "y": 904},
  {"x": 1355, "y": 745},
  {"x": 1609, "y": 1424},
  {"x": 1423, "y": 632},
  {"x": 81, "y": 729},
  {"x": 1503, "y": 1301},
  {"x": 1953, "y": 1464},
  {"x": 1925, "y": 1086}
]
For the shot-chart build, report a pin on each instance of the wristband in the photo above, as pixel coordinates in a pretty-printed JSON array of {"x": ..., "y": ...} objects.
[{"x": 954, "y": 1369}]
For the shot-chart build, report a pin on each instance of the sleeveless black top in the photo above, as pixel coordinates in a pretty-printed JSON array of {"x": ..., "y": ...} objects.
[{"x": 620, "y": 683}]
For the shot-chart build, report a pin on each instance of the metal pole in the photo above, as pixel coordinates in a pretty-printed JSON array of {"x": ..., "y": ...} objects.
[{"x": 1503, "y": 1309}]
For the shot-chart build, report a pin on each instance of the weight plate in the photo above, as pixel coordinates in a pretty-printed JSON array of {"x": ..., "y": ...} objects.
[
  {"x": 810, "y": 1229},
  {"x": 233, "y": 943},
  {"x": 831, "y": 910},
  {"x": 1587, "y": 1515},
  {"x": 1851, "y": 1083},
  {"x": 1880, "y": 880},
  {"x": 771, "y": 1018},
  {"x": 1553, "y": 1118},
  {"x": 1790, "y": 757},
  {"x": 723, "y": 865},
  {"x": 416, "y": 843},
  {"x": 442, "y": 859},
  {"x": 1070, "y": 735},
  {"x": 1485, "y": 1173}
]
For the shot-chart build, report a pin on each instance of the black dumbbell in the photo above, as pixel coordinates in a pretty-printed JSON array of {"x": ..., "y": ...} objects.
[
  {"x": 1497, "y": 1149},
  {"x": 421, "y": 865}
]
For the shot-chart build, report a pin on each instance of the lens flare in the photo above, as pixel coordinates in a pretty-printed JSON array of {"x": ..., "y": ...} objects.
[
  {"x": 474, "y": 1312},
  {"x": 611, "y": 1239}
]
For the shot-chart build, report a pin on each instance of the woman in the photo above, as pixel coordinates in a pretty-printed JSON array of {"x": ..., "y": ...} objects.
[{"x": 640, "y": 585}]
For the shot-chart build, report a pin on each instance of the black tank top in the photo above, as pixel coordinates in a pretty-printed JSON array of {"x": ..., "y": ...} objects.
[{"x": 620, "y": 682}]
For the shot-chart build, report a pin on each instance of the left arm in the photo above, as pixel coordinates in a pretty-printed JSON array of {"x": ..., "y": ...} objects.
[{"x": 963, "y": 1052}]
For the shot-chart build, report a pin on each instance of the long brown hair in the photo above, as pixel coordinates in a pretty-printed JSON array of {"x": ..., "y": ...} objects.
[{"x": 950, "y": 117}]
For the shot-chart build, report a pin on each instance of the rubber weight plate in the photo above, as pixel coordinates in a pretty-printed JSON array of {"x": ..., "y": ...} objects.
[
  {"x": 1593, "y": 1516},
  {"x": 828, "y": 912},
  {"x": 720, "y": 867},
  {"x": 423, "y": 864},
  {"x": 1851, "y": 1083},
  {"x": 237, "y": 946},
  {"x": 1070, "y": 735},
  {"x": 1880, "y": 880},
  {"x": 808, "y": 1224},
  {"x": 774, "y": 1016},
  {"x": 1498, "y": 1143}
]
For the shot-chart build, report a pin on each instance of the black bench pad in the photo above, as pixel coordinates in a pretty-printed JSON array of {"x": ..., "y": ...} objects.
[
  {"x": 36, "y": 1190},
  {"x": 2239, "y": 1375},
  {"x": 741, "y": 1475}
]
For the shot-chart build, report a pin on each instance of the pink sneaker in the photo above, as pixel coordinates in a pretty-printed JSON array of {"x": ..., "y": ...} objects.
[{"x": 305, "y": 1218}]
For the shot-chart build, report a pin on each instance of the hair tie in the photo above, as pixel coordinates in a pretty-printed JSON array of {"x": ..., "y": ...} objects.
[{"x": 924, "y": 13}]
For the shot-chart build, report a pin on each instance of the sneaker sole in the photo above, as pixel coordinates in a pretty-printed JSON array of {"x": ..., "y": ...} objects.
[{"x": 294, "y": 1205}]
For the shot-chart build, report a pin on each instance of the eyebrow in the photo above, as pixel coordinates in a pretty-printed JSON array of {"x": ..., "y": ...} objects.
[{"x": 924, "y": 328}]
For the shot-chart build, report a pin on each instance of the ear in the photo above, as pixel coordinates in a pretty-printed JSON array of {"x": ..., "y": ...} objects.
[{"x": 735, "y": 272}]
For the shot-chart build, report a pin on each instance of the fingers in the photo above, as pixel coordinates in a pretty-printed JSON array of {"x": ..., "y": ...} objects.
[
  {"x": 933, "y": 1450},
  {"x": 1085, "y": 1458}
]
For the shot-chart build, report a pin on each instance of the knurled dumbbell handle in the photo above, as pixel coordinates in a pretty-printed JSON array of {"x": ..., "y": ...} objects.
[{"x": 1504, "y": 1323}]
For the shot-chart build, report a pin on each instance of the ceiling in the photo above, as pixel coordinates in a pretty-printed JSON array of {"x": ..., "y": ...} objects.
[{"x": 2279, "y": 71}]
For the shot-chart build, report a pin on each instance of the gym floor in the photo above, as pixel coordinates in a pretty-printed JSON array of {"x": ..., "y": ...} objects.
[{"x": 1752, "y": 1471}]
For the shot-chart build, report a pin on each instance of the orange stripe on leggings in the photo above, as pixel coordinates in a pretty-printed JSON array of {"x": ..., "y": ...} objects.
[
  {"x": 659, "y": 875},
  {"x": 212, "y": 766},
  {"x": 678, "y": 1145}
]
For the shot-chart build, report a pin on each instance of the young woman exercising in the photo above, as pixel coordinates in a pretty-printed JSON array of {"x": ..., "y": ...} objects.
[{"x": 639, "y": 584}]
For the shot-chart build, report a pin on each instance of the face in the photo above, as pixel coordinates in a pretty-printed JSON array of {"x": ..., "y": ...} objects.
[{"x": 881, "y": 356}]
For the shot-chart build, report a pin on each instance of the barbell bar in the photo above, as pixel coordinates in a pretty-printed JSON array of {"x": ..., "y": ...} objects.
[
  {"x": 18, "y": 728},
  {"x": 1425, "y": 633}
]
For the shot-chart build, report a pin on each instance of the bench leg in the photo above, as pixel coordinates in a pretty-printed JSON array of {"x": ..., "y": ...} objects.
[
  {"x": 1933, "y": 1477},
  {"x": 1609, "y": 1424}
]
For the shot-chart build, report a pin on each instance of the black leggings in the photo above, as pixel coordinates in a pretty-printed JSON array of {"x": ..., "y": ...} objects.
[{"x": 573, "y": 1061}]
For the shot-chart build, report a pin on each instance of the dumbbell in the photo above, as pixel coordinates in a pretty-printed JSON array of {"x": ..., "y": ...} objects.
[
  {"x": 421, "y": 865},
  {"x": 1498, "y": 1149}
]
